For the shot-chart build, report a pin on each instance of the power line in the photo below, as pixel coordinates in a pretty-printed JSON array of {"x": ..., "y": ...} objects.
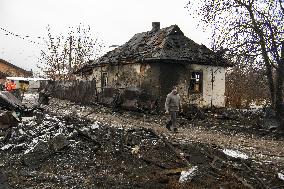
[{"x": 21, "y": 36}]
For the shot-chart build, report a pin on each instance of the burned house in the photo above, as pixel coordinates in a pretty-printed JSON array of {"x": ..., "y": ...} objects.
[{"x": 155, "y": 61}]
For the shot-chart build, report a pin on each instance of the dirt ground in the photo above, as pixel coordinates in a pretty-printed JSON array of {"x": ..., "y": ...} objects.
[
  {"x": 243, "y": 134},
  {"x": 74, "y": 146}
]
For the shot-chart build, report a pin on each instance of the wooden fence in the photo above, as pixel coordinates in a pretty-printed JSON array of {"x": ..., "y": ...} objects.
[{"x": 76, "y": 91}]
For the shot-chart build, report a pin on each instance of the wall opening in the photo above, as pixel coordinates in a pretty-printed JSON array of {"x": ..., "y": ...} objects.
[
  {"x": 104, "y": 79},
  {"x": 195, "y": 83}
]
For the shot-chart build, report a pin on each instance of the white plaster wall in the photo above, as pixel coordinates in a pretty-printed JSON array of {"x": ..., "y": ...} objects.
[
  {"x": 217, "y": 95},
  {"x": 131, "y": 70},
  {"x": 97, "y": 76},
  {"x": 84, "y": 78}
]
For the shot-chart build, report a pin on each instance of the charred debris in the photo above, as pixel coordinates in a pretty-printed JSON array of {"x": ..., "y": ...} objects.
[{"x": 64, "y": 150}]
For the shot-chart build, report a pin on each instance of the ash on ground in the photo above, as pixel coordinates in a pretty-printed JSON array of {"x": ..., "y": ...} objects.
[{"x": 72, "y": 146}]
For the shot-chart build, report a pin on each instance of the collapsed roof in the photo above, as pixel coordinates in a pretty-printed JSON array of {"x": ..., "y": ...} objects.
[
  {"x": 162, "y": 44},
  {"x": 168, "y": 44}
]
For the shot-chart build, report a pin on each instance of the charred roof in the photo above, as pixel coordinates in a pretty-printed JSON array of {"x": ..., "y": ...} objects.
[{"x": 162, "y": 45}]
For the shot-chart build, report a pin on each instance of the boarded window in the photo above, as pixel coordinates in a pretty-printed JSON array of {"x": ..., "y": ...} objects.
[
  {"x": 104, "y": 79},
  {"x": 195, "y": 84}
]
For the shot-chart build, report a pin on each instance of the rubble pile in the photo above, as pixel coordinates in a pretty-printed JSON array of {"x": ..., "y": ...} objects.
[
  {"x": 10, "y": 102},
  {"x": 11, "y": 110},
  {"x": 51, "y": 151}
]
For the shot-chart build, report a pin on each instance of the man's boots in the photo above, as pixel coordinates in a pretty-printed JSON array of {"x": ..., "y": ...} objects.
[{"x": 168, "y": 125}]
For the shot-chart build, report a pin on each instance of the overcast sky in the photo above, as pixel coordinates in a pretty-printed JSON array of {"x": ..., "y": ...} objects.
[{"x": 113, "y": 21}]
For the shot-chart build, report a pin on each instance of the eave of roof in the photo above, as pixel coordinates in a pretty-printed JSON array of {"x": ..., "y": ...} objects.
[{"x": 16, "y": 67}]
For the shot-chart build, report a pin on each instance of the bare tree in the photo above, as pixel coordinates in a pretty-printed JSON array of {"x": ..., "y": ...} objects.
[
  {"x": 64, "y": 54},
  {"x": 246, "y": 84},
  {"x": 251, "y": 28}
]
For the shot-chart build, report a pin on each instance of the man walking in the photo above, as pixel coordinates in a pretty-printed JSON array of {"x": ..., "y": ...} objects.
[{"x": 172, "y": 106}]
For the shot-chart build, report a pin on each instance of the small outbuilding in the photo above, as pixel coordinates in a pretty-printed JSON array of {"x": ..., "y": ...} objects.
[{"x": 9, "y": 70}]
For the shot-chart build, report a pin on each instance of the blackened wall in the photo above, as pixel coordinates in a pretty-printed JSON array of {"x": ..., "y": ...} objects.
[
  {"x": 158, "y": 79},
  {"x": 171, "y": 74}
]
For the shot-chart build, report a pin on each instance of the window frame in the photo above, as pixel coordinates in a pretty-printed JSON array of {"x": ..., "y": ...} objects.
[
  {"x": 192, "y": 79},
  {"x": 104, "y": 79}
]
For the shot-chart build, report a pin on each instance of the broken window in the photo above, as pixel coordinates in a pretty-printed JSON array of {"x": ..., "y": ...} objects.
[
  {"x": 104, "y": 79},
  {"x": 195, "y": 84}
]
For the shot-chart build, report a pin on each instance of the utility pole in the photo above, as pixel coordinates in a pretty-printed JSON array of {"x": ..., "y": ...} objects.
[
  {"x": 70, "y": 54},
  {"x": 212, "y": 84},
  {"x": 212, "y": 87}
]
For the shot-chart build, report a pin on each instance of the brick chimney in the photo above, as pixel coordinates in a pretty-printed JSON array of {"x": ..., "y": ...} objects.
[{"x": 155, "y": 26}]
